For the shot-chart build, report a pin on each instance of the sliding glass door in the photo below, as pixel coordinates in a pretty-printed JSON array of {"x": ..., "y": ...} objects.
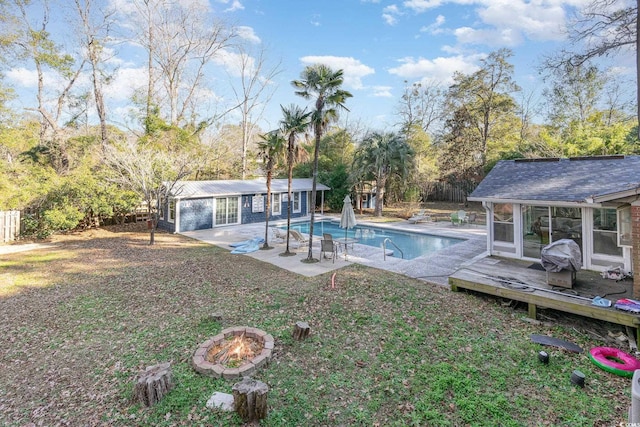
[
  {"x": 226, "y": 211},
  {"x": 542, "y": 225}
]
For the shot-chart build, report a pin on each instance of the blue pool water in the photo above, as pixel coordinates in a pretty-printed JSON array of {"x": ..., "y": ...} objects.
[{"x": 412, "y": 244}]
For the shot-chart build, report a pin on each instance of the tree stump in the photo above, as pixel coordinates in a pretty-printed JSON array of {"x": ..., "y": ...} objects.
[
  {"x": 153, "y": 383},
  {"x": 301, "y": 331},
  {"x": 250, "y": 399}
]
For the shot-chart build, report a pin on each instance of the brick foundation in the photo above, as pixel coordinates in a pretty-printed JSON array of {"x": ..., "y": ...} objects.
[{"x": 635, "y": 251}]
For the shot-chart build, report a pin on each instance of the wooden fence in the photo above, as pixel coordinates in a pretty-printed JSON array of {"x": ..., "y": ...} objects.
[
  {"x": 9, "y": 225},
  {"x": 447, "y": 192}
]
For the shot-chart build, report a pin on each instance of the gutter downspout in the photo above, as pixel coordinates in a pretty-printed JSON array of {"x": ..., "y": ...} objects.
[{"x": 489, "y": 220}]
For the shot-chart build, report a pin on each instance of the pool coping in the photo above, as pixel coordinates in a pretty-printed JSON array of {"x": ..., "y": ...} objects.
[{"x": 435, "y": 267}]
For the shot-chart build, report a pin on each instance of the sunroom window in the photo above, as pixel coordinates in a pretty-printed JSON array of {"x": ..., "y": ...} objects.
[{"x": 503, "y": 222}]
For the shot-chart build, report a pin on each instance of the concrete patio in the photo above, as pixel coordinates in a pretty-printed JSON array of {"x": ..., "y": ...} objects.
[{"x": 435, "y": 267}]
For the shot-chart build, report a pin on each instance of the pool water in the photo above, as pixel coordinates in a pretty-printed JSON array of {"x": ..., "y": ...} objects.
[{"x": 412, "y": 245}]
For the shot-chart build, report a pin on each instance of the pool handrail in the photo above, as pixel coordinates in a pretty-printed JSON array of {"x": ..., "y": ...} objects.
[{"x": 384, "y": 248}]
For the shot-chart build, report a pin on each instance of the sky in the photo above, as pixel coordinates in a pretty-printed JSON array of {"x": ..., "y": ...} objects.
[
  {"x": 381, "y": 44},
  {"x": 378, "y": 44}
]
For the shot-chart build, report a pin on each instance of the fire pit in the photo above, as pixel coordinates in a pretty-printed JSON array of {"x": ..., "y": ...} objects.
[{"x": 234, "y": 352}]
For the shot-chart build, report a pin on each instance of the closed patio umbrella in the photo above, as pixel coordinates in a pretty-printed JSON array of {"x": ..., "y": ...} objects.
[{"x": 347, "y": 220}]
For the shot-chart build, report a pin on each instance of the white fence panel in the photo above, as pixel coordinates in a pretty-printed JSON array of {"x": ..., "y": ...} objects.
[{"x": 9, "y": 225}]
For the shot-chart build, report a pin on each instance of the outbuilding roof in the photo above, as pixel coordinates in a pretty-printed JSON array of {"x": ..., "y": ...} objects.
[
  {"x": 576, "y": 180},
  {"x": 219, "y": 188}
]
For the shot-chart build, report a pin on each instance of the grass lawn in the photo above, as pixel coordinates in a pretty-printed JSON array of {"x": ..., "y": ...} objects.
[{"x": 80, "y": 320}]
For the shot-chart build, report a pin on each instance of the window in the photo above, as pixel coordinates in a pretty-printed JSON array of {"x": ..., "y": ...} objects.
[
  {"x": 605, "y": 233},
  {"x": 275, "y": 204},
  {"x": 172, "y": 210},
  {"x": 296, "y": 202},
  {"x": 535, "y": 230},
  {"x": 503, "y": 222},
  {"x": 624, "y": 226}
]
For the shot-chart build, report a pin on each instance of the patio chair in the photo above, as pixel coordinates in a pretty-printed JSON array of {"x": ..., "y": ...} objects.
[
  {"x": 328, "y": 246},
  {"x": 455, "y": 219},
  {"x": 462, "y": 216},
  {"x": 298, "y": 237},
  {"x": 471, "y": 218}
]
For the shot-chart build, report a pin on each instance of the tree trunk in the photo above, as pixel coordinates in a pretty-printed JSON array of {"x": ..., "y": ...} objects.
[
  {"x": 250, "y": 399},
  {"x": 314, "y": 182},
  {"x": 301, "y": 331},
  {"x": 153, "y": 383}
]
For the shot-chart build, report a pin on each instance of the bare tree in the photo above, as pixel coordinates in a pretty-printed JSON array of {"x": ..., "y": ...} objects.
[
  {"x": 603, "y": 28},
  {"x": 181, "y": 40},
  {"x": 150, "y": 173},
  {"x": 253, "y": 95},
  {"x": 421, "y": 106},
  {"x": 32, "y": 42},
  {"x": 94, "y": 34}
]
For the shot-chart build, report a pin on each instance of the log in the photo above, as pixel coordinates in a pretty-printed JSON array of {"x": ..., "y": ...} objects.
[
  {"x": 153, "y": 384},
  {"x": 250, "y": 399},
  {"x": 301, "y": 331}
]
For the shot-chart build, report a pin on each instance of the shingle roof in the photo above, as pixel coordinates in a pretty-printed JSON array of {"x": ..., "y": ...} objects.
[
  {"x": 559, "y": 180},
  {"x": 190, "y": 189}
]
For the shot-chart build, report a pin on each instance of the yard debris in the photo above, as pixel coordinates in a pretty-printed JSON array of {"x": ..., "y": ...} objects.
[
  {"x": 614, "y": 273},
  {"x": 556, "y": 342},
  {"x": 620, "y": 336}
]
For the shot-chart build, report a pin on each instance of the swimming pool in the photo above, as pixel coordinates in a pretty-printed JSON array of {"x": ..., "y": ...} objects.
[{"x": 412, "y": 245}]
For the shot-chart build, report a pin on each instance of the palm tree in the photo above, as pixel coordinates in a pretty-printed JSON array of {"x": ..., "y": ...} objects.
[
  {"x": 324, "y": 84},
  {"x": 379, "y": 156},
  {"x": 295, "y": 120},
  {"x": 271, "y": 149}
]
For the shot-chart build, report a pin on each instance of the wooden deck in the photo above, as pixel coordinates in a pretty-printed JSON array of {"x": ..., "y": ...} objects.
[{"x": 517, "y": 280}]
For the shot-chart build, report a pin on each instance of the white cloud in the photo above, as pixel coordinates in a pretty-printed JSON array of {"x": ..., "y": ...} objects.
[
  {"x": 382, "y": 91},
  {"x": 232, "y": 62},
  {"x": 490, "y": 37},
  {"x": 420, "y": 6},
  {"x": 125, "y": 83},
  {"x": 389, "y": 19},
  {"x": 537, "y": 20},
  {"x": 23, "y": 77},
  {"x": 390, "y": 14},
  {"x": 353, "y": 70},
  {"x": 248, "y": 34},
  {"x": 235, "y": 5},
  {"x": 434, "y": 28},
  {"x": 439, "y": 70},
  {"x": 504, "y": 22}
]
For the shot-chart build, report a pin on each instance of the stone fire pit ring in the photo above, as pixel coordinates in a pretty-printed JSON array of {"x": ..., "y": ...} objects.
[{"x": 216, "y": 370}]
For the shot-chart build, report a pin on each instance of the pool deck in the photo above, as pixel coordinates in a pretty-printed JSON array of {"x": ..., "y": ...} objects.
[{"x": 435, "y": 267}]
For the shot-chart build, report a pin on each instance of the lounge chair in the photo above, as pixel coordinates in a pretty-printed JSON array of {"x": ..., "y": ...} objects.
[
  {"x": 298, "y": 237},
  {"x": 419, "y": 217},
  {"x": 279, "y": 233}
]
